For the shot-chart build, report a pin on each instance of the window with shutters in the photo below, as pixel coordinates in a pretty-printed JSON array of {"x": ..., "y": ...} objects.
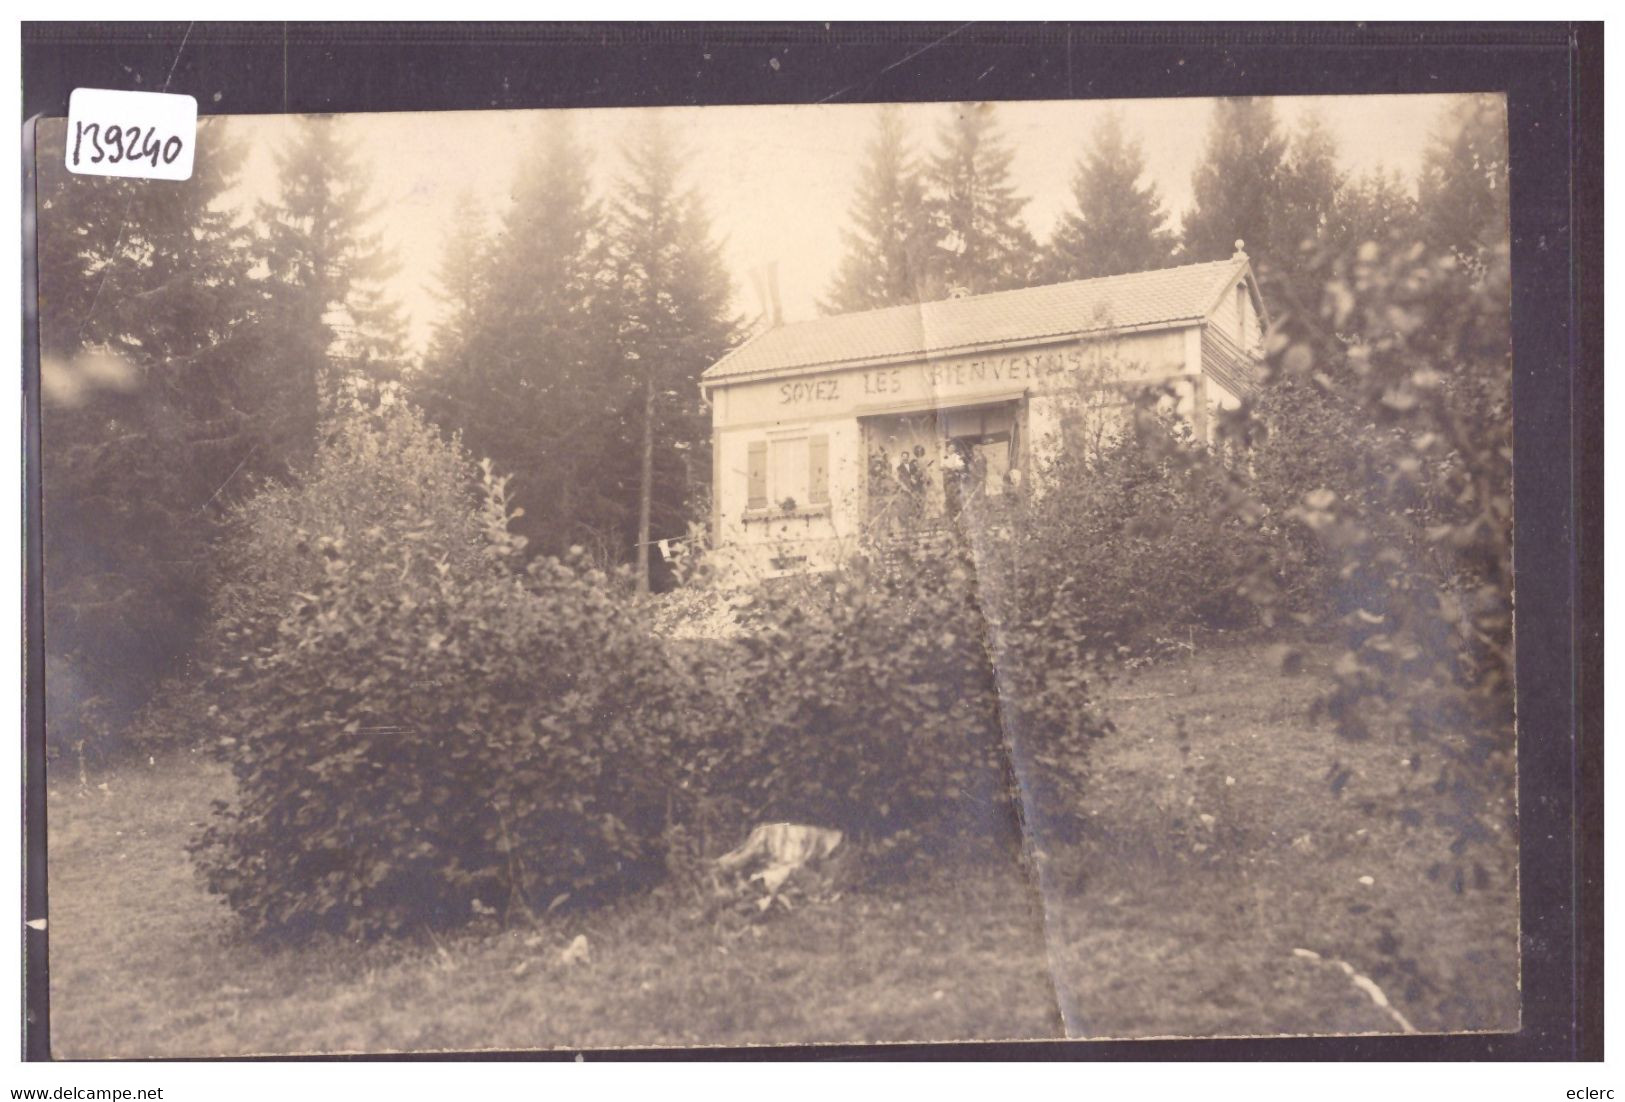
[
  {"x": 788, "y": 471},
  {"x": 818, "y": 469},
  {"x": 756, "y": 476}
]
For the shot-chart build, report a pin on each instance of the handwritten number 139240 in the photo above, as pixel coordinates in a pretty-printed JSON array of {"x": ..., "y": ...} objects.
[{"x": 122, "y": 143}]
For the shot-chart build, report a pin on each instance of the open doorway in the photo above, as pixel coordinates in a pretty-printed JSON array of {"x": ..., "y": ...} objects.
[{"x": 928, "y": 466}]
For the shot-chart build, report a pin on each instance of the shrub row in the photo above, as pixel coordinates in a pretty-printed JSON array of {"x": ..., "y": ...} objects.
[{"x": 420, "y": 732}]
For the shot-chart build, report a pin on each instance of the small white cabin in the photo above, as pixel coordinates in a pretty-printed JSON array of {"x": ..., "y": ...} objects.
[{"x": 811, "y": 421}]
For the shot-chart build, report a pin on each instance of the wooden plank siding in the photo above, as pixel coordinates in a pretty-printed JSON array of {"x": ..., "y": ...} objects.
[{"x": 1228, "y": 364}]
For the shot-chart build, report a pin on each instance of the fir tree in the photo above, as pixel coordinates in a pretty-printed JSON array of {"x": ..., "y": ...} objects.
[
  {"x": 1238, "y": 185},
  {"x": 673, "y": 300},
  {"x": 1377, "y": 206},
  {"x": 155, "y": 375},
  {"x": 529, "y": 374},
  {"x": 1117, "y": 225},
  {"x": 338, "y": 330},
  {"x": 982, "y": 244},
  {"x": 888, "y": 248},
  {"x": 1311, "y": 189},
  {"x": 1462, "y": 193},
  {"x": 463, "y": 283}
]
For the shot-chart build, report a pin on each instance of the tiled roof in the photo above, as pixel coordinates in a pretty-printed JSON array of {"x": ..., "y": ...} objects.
[{"x": 1166, "y": 297}]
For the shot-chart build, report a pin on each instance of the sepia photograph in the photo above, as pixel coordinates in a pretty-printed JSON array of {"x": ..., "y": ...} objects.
[{"x": 817, "y": 574}]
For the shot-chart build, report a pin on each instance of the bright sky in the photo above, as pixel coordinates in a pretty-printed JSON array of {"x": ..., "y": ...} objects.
[{"x": 778, "y": 181}]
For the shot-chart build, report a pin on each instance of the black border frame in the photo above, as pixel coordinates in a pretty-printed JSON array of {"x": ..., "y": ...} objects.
[{"x": 1552, "y": 76}]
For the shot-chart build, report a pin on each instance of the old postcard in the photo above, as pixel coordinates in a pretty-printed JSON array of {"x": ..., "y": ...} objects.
[{"x": 767, "y": 575}]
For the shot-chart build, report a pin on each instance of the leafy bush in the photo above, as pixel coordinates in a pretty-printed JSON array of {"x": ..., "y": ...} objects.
[
  {"x": 904, "y": 702},
  {"x": 1145, "y": 537},
  {"x": 1419, "y": 344},
  {"x": 383, "y": 487},
  {"x": 427, "y": 733},
  {"x": 1317, "y": 435}
]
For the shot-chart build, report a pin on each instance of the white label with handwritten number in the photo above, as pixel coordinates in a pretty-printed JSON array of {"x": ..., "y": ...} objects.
[{"x": 151, "y": 135}]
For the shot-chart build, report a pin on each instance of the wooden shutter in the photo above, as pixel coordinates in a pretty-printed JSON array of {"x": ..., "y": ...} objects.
[
  {"x": 818, "y": 468},
  {"x": 756, "y": 476}
]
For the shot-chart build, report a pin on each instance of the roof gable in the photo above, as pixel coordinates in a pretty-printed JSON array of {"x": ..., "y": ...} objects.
[{"x": 1140, "y": 300}]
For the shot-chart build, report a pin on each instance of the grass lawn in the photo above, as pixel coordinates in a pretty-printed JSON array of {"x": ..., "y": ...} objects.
[{"x": 1219, "y": 850}]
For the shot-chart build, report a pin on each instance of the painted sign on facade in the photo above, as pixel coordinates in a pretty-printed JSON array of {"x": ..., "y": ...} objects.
[
  {"x": 806, "y": 457},
  {"x": 929, "y": 383}
]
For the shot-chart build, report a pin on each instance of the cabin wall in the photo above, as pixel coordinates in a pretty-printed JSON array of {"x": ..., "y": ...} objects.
[
  {"x": 1236, "y": 316},
  {"x": 1058, "y": 387},
  {"x": 813, "y": 532}
]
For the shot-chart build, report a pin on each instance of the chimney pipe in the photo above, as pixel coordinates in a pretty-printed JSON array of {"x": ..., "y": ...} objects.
[{"x": 765, "y": 278}]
